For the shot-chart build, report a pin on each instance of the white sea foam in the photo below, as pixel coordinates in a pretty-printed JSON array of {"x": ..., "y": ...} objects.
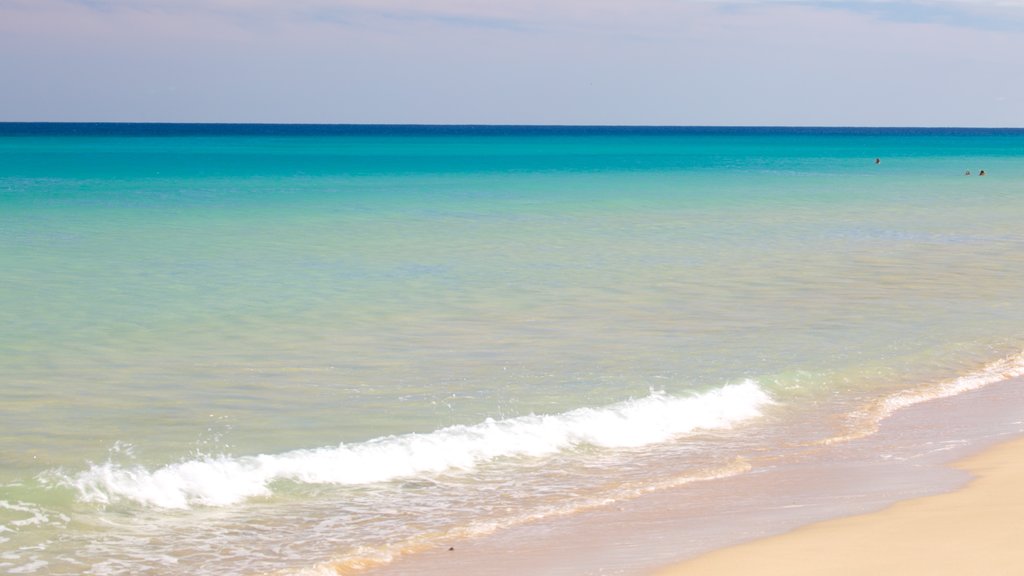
[
  {"x": 865, "y": 422},
  {"x": 223, "y": 480},
  {"x": 999, "y": 371}
]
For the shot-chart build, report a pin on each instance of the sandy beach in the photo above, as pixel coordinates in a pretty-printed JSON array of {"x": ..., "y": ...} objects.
[{"x": 974, "y": 530}]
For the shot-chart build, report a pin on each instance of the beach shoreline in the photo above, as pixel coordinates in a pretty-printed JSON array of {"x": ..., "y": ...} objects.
[
  {"x": 972, "y": 530},
  {"x": 911, "y": 456}
]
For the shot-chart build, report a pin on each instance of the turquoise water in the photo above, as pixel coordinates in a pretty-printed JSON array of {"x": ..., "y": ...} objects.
[{"x": 240, "y": 349}]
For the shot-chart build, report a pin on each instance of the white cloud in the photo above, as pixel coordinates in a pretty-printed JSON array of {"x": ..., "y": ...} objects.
[{"x": 524, "y": 14}]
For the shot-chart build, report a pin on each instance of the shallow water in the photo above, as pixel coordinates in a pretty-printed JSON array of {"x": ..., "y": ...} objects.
[{"x": 247, "y": 349}]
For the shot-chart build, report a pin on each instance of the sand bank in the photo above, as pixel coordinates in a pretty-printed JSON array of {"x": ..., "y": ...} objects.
[{"x": 975, "y": 530}]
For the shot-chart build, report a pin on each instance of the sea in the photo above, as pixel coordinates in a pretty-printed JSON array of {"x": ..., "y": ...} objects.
[{"x": 338, "y": 349}]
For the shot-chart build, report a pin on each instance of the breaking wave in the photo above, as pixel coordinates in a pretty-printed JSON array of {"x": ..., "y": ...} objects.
[{"x": 227, "y": 480}]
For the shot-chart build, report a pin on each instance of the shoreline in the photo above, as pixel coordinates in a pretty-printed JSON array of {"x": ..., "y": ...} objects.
[
  {"x": 972, "y": 530},
  {"x": 912, "y": 455}
]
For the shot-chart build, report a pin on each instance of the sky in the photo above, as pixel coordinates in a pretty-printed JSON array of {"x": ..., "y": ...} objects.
[{"x": 608, "y": 62}]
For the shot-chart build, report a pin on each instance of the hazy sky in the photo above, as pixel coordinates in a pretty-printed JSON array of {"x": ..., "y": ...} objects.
[{"x": 679, "y": 62}]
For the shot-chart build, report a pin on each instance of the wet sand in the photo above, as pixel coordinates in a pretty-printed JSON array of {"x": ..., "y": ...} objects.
[{"x": 974, "y": 530}]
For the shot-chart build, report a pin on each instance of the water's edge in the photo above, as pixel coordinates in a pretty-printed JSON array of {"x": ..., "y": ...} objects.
[{"x": 910, "y": 456}]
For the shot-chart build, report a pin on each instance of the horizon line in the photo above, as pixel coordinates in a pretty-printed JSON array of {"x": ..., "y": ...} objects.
[{"x": 493, "y": 125}]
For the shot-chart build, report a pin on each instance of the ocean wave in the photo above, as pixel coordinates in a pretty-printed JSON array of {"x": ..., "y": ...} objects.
[
  {"x": 227, "y": 480},
  {"x": 866, "y": 421}
]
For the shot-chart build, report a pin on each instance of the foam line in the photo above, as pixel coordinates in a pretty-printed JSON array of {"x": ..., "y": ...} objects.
[
  {"x": 866, "y": 421},
  {"x": 226, "y": 480}
]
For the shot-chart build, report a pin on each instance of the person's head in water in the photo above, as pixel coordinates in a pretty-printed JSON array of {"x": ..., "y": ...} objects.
[{"x": 981, "y": 173}]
